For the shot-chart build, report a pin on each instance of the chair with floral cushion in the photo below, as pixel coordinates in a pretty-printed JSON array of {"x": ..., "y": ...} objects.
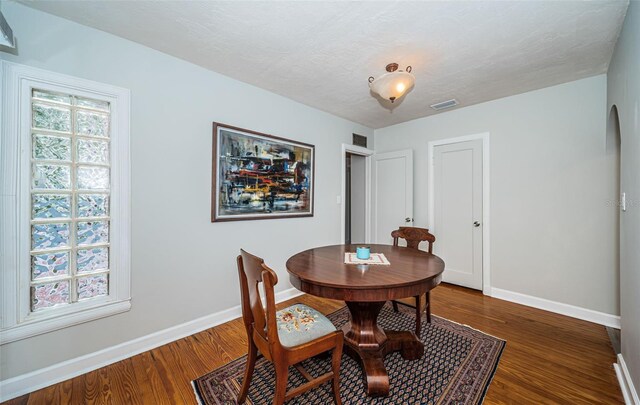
[
  {"x": 422, "y": 303},
  {"x": 284, "y": 337}
]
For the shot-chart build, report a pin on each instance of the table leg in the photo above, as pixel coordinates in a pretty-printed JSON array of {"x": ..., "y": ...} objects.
[{"x": 368, "y": 343}]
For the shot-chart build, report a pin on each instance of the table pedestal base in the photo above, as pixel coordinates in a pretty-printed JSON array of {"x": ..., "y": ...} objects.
[{"x": 369, "y": 344}]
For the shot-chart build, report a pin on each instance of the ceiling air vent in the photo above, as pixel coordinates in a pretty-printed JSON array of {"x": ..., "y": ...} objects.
[
  {"x": 444, "y": 104},
  {"x": 360, "y": 140}
]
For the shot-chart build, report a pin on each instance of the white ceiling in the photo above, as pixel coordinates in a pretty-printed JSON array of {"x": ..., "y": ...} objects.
[{"x": 321, "y": 53}]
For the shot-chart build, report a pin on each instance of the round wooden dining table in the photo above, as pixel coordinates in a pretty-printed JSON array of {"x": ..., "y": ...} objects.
[{"x": 365, "y": 289}]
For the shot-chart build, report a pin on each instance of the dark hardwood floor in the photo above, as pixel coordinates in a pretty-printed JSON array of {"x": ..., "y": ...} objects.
[{"x": 549, "y": 358}]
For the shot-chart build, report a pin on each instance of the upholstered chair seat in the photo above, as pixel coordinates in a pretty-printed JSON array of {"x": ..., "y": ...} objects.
[{"x": 299, "y": 324}]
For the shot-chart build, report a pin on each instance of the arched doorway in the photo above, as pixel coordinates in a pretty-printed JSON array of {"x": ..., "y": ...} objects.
[{"x": 613, "y": 146}]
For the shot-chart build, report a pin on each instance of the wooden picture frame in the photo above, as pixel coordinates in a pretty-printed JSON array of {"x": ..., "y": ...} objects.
[{"x": 260, "y": 176}]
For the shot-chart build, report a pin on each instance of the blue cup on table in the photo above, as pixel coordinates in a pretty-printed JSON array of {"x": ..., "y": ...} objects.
[{"x": 363, "y": 252}]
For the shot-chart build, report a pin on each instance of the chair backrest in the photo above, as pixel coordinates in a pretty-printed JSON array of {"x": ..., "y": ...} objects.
[
  {"x": 413, "y": 236},
  {"x": 252, "y": 272}
]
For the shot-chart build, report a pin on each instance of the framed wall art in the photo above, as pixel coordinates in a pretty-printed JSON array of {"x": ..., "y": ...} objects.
[{"x": 260, "y": 176}]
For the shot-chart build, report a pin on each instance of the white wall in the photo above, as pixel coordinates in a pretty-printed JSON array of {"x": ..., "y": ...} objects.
[
  {"x": 553, "y": 220},
  {"x": 183, "y": 266},
  {"x": 624, "y": 93}
]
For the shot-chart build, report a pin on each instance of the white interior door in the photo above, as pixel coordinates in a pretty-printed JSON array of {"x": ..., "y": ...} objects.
[
  {"x": 393, "y": 195},
  {"x": 458, "y": 211}
]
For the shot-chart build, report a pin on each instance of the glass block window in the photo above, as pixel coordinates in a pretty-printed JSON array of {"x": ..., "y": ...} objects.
[{"x": 70, "y": 194}]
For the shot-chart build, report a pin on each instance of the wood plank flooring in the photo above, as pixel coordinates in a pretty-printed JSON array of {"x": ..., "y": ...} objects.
[{"x": 549, "y": 358}]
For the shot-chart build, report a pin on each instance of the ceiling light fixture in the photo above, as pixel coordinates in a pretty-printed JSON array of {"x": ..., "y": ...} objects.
[{"x": 394, "y": 84}]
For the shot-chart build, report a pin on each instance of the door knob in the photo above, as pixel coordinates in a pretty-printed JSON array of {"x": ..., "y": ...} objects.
[
  {"x": 476, "y": 224},
  {"x": 407, "y": 219}
]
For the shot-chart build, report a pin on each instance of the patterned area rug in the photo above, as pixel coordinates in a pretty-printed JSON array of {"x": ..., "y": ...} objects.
[{"x": 457, "y": 367}]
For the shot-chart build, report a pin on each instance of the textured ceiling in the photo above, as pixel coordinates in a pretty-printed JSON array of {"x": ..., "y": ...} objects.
[{"x": 321, "y": 53}]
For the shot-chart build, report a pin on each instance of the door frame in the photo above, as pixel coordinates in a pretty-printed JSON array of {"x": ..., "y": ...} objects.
[
  {"x": 367, "y": 153},
  {"x": 486, "y": 226}
]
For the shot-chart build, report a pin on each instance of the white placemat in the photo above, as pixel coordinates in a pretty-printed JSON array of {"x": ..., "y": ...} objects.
[{"x": 374, "y": 258}]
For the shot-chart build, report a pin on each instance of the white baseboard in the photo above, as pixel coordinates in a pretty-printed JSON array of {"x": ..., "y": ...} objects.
[
  {"x": 626, "y": 384},
  {"x": 35, "y": 380},
  {"x": 558, "y": 307}
]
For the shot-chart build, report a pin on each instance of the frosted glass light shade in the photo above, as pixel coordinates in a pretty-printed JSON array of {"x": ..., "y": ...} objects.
[{"x": 393, "y": 85}]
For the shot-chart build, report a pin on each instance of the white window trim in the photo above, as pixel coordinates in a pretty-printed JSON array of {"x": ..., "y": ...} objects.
[{"x": 15, "y": 152}]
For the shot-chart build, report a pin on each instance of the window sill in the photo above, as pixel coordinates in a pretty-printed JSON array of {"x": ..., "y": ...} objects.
[{"x": 38, "y": 327}]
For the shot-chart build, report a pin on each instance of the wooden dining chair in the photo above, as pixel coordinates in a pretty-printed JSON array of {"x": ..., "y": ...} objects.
[
  {"x": 414, "y": 236},
  {"x": 284, "y": 337}
]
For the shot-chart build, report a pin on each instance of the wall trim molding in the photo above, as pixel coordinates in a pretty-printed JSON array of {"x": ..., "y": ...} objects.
[
  {"x": 558, "y": 307},
  {"x": 629, "y": 392},
  {"x": 35, "y": 380}
]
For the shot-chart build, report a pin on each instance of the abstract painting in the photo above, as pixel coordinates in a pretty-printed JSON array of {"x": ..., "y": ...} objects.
[{"x": 259, "y": 176}]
